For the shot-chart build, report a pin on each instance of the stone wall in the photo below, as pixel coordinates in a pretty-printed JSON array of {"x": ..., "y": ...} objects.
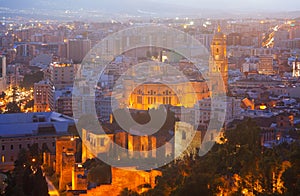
[
  {"x": 121, "y": 179},
  {"x": 68, "y": 160}
]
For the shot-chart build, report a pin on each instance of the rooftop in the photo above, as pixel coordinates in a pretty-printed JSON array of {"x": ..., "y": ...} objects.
[{"x": 23, "y": 124}]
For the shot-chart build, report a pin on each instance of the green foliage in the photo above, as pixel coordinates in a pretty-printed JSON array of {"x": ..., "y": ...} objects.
[
  {"x": 12, "y": 107},
  {"x": 98, "y": 172},
  {"x": 27, "y": 177},
  {"x": 127, "y": 192},
  {"x": 237, "y": 165},
  {"x": 29, "y": 104},
  {"x": 2, "y": 95}
]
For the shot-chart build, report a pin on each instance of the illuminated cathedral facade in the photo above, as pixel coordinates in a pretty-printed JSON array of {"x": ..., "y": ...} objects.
[
  {"x": 174, "y": 90},
  {"x": 165, "y": 88}
]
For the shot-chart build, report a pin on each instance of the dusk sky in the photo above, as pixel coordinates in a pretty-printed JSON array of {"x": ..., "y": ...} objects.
[
  {"x": 272, "y": 5},
  {"x": 149, "y": 5}
]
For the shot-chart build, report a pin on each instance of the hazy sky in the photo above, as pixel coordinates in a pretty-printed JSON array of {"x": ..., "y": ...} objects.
[
  {"x": 272, "y": 5},
  {"x": 225, "y": 5}
]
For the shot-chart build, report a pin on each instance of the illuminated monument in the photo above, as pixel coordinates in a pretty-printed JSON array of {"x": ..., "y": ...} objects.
[
  {"x": 218, "y": 63},
  {"x": 166, "y": 87}
]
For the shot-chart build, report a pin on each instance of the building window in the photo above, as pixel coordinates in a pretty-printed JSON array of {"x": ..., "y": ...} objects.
[
  {"x": 151, "y": 100},
  {"x": 2, "y": 158},
  {"x": 101, "y": 141},
  {"x": 183, "y": 135},
  {"x": 20, "y": 146},
  {"x": 11, "y": 147},
  {"x": 12, "y": 158},
  {"x": 139, "y": 99},
  {"x": 28, "y": 145},
  {"x": 166, "y": 100},
  {"x": 3, "y": 147}
]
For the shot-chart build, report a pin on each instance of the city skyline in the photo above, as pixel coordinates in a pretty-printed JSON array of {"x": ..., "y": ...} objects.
[
  {"x": 254, "y": 5},
  {"x": 155, "y": 8},
  {"x": 142, "y": 97}
]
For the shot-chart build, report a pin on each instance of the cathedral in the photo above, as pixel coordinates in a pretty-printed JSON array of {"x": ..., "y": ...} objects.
[
  {"x": 218, "y": 64},
  {"x": 147, "y": 91}
]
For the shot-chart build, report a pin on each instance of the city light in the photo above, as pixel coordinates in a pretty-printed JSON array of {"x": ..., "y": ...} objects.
[{"x": 149, "y": 98}]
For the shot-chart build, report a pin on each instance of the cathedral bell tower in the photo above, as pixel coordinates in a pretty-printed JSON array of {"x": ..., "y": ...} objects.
[{"x": 218, "y": 62}]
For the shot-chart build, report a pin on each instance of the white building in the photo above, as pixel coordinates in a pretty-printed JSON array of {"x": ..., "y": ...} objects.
[
  {"x": 41, "y": 100},
  {"x": 229, "y": 106},
  {"x": 296, "y": 68},
  {"x": 187, "y": 140},
  {"x": 2, "y": 73}
]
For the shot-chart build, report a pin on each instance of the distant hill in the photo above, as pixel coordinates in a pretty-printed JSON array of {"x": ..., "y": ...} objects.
[{"x": 163, "y": 8}]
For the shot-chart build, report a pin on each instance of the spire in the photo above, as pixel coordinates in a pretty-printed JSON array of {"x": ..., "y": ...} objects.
[{"x": 219, "y": 28}]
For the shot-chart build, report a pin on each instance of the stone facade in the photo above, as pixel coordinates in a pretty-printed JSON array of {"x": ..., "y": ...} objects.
[
  {"x": 68, "y": 160},
  {"x": 63, "y": 144},
  {"x": 115, "y": 145},
  {"x": 79, "y": 180},
  {"x": 187, "y": 140},
  {"x": 121, "y": 179}
]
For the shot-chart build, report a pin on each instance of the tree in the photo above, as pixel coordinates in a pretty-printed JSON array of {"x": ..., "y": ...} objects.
[
  {"x": 127, "y": 192},
  {"x": 236, "y": 167},
  {"x": 12, "y": 107},
  {"x": 2, "y": 95},
  {"x": 98, "y": 172},
  {"x": 29, "y": 104},
  {"x": 27, "y": 177}
]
